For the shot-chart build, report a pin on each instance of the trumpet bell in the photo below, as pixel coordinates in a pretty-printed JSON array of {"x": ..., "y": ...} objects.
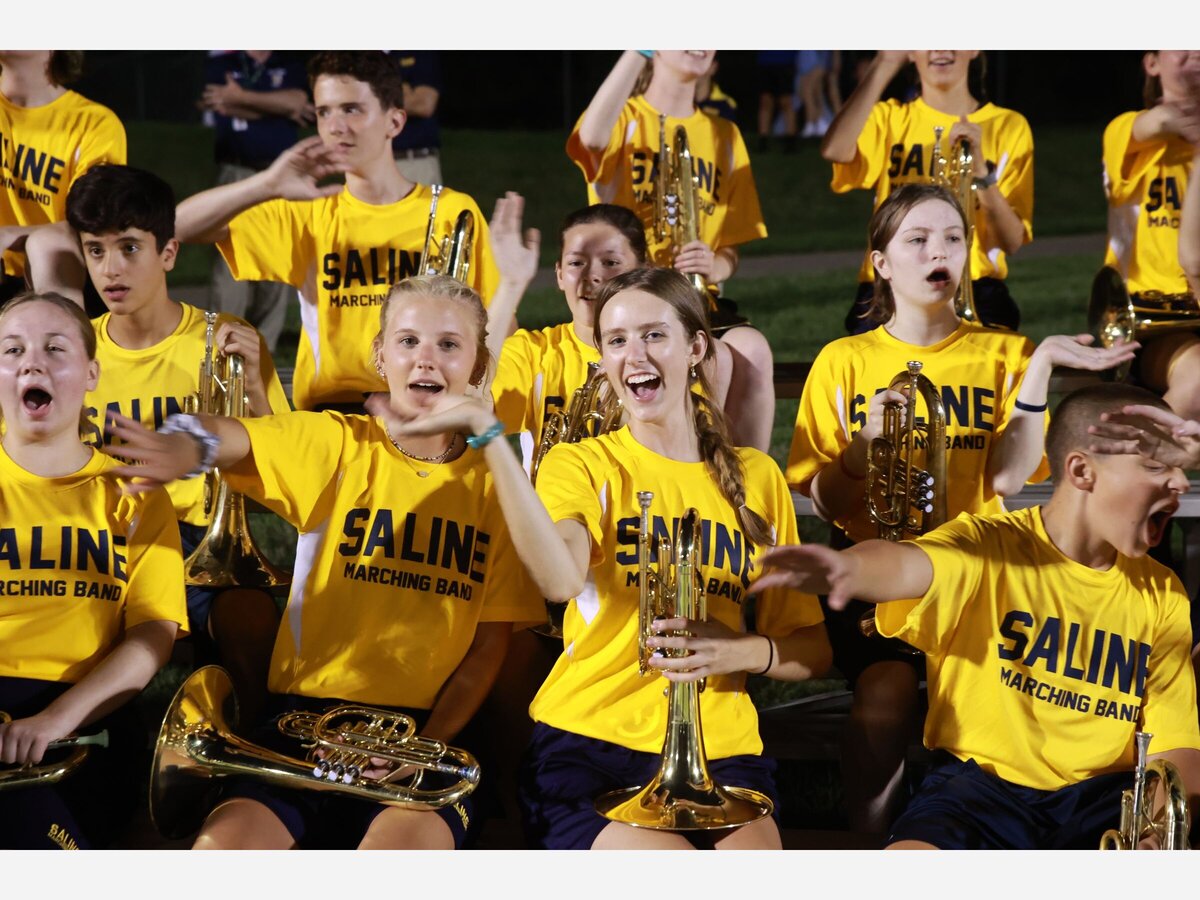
[
  {"x": 684, "y": 807},
  {"x": 1116, "y": 316},
  {"x": 228, "y": 556}
]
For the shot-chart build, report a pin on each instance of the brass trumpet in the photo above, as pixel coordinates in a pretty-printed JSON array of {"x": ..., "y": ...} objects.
[
  {"x": 677, "y": 203},
  {"x": 955, "y": 174},
  {"x": 227, "y": 555},
  {"x": 1116, "y": 316},
  {"x": 682, "y": 796},
  {"x": 904, "y": 499},
  {"x": 16, "y": 777},
  {"x": 1138, "y": 821},
  {"x": 451, "y": 255},
  {"x": 196, "y": 748}
]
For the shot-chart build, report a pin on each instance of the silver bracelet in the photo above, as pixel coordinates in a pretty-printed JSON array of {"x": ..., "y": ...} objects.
[{"x": 209, "y": 443}]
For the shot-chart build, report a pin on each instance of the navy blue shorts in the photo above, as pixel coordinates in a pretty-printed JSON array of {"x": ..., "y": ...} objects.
[
  {"x": 199, "y": 599},
  {"x": 92, "y": 806},
  {"x": 961, "y": 807},
  {"x": 563, "y": 773},
  {"x": 324, "y": 819}
]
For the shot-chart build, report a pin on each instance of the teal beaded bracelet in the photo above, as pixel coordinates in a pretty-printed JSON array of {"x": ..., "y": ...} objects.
[{"x": 479, "y": 441}]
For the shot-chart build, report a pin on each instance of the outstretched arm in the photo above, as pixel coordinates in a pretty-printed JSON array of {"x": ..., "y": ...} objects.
[
  {"x": 159, "y": 459},
  {"x": 875, "y": 571},
  {"x": 840, "y": 144},
  {"x": 1017, "y": 452},
  {"x": 204, "y": 218}
]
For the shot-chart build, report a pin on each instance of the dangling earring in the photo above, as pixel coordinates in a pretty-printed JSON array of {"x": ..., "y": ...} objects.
[{"x": 693, "y": 371}]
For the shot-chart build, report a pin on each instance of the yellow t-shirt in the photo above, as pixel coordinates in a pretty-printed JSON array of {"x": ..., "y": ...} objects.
[
  {"x": 537, "y": 373},
  {"x": 1037, "y": 664},
  {"x": 344, "y": 255},
  {"x": 153, "y": 383},
  {"x": 81, "y": 562},
  {"x": 896, "y": 147},
  {"x": 594, "y": 688},
  {"x": 43, "y": 149},
  {"x": 979, "y": 371},
  {"x": 627, "y": 171},
  {"x": 393, "y": 571},
  {"x": 1145, "y": 182}
]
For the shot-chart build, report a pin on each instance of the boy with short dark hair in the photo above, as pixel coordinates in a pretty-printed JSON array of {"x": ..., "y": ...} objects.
[
  {"x": 150, "y": 349},
  {"x": 1051, "y": 638},
  {"x": 342, "y": 247}
]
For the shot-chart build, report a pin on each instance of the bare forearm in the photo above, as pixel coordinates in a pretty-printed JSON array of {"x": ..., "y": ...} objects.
[
  {"x": 204, "y": 218},
  {"x": 420, "y": 101},
  {"x": 465, "y": 690},
  {"x": 502, "y": 311},
  {"x": 1189, "y": 230},
  {"x": 55, "y": 261},
  {"x": 805, "y": 653},
  {"x": 1018, "y": 451},
  {"x": 887, "y": 570},
  {"x": 601, "y": 114},
  {"x": 1005, "y": 230},
  {"x": 725, "y": 263},
  {"x": 284, "y": 104},
  {"x": 1153, "y": 124},
  {"x": 235, "y": 441},
  {"x": 840, "y": 144},
  {"x": 836, "y": 494},
  {"x": 118, "y": 677}
]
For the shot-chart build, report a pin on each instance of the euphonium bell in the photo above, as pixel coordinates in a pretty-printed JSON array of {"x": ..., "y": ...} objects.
[
  {"x": 1138, "y": 820},
  {"x": 52, "y": 771},
  {"x": 682, "y": 796},
  {"x": 197, "y": 748},
  {"x": 955, "y": 174},
  {"x": 1115, "y": 316},
  {"x": 450, "y": 255},
  {"x": 677, "y": 203},
  {"x": 227, "y": 555}
]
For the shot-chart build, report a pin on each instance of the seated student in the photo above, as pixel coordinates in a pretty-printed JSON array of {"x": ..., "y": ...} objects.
[
  {"x": 52, "y": 135},
  {"x": 1148, "y": 165},
  {"x": 407, "y": 583},
  {"x": 615, "y": 144},
  {"x": 93, "y": 596},
  {"x": 1050, "y": 635},
  {"x": 600, "y": 725},
  {"x": 343, "y": 247},
  {"x": 993, "y": 383},
  {"x": 151, "y": 348}
]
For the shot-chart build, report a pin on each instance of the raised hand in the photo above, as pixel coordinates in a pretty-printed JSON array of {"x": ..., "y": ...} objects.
[
  {"x": 1076, "y": 352},
  {"x": 296, "y": 171},
  {"x": 515, "y": 251},
  {"x": 1150, "y": 432},
  {"x": 157, "y": 458},
  {"x": 811, "y": 568}
]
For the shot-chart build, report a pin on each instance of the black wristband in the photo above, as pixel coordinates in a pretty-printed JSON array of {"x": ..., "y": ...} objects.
[
  {"x": 770, "y": 659},
  {"x": 1030, "y": 407}
]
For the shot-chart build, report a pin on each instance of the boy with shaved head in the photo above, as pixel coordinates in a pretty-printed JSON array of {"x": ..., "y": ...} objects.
[{"x": 1051, "y": 638}]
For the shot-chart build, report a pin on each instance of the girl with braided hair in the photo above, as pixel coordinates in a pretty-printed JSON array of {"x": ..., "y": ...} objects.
[{"x": 599, "y": 725}]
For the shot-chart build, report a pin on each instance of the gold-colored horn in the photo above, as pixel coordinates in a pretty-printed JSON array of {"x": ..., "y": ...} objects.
[
  {"x": 50, "y": 772},
  {"x": 1170, "y": 824},
  {"x": 227, "y": 555},
  {"x": 451, "y": 254},
  {"x": 955, "y": 174},
  {"x": 197, "y": 748},
  {"x": 677, "y": 202},
  {"x": 1116, "y": 316},
  {"x": 682, "y": 796},
  {"x": 905, "y": 499}
]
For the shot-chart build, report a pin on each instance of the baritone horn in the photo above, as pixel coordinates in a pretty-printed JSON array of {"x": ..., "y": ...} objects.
[
  {"x": 451, "y": 254},
  {"x": 955, "y": 174},
  {"x": 52, "y": 772},
  {"x": 677, "y": 203},
  {"x": 197, "y": 749},
  {"x": 1116, "y": 316},
  {"x": 1139, "y": 821},
  {"x": 227, "y": 555},
  {"x": 905, "y": 499},
  {"x": 682, "y": 796}
]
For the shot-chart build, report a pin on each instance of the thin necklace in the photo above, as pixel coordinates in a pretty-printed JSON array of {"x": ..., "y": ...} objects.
[{"x": 436, "y": 460}]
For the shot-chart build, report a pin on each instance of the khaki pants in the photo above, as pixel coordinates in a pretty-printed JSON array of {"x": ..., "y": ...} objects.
[
  {"x": 261, "y": 303},
  {"x": 425, "y": 170}
]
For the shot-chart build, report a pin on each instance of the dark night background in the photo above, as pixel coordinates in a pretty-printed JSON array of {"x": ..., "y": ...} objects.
[{"x": 547, "y": 90}]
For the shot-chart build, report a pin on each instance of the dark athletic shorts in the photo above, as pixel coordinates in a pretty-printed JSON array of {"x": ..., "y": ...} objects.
[
  {"x": 960, "y": 807},
  {"x": 563, "y": 773}
]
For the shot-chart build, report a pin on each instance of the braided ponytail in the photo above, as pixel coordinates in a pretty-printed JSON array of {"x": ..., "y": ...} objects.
[{"x": 712, "y": 433}]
